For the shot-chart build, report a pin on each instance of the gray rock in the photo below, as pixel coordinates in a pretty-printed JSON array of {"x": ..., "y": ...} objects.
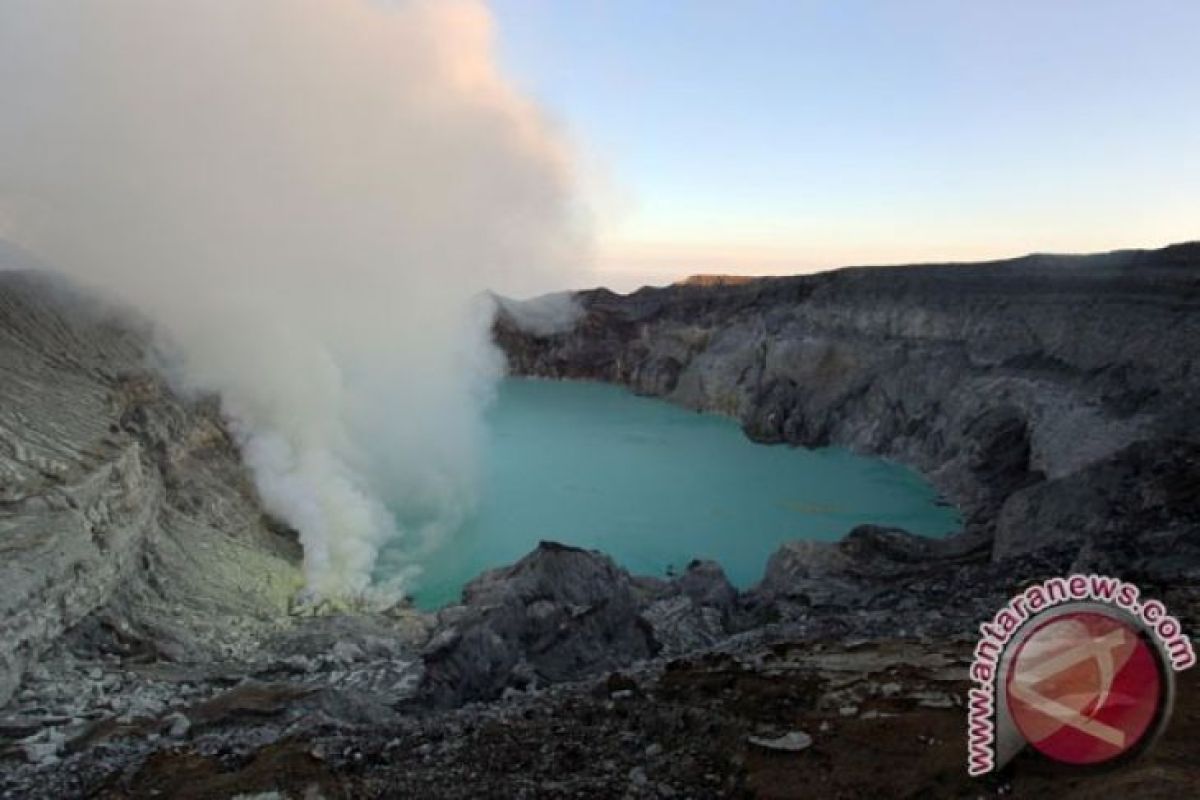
[
  {"x": 705, "y": 583},
  {"x": 178, "y": 725},
  {"x": 559, "y": 613},
  {"x": 679, "y": 624},
  {"x": 41, "y": 753},
  {"x": 347, "y": 652},
  {"x": 1148, "y": 487},
  {"x": 791, "y": 742}
]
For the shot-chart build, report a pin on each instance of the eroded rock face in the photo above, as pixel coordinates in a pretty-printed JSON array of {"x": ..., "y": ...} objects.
[
  {"x": 1007, "y": 384},
  {"x": 1143, "y": 501},
  {"x": 118, "y": 497}
]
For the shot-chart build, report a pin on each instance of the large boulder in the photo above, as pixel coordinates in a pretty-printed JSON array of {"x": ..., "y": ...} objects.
[
  {"x": 557, "y": 614},
  {"x": 562, "y": 613}
]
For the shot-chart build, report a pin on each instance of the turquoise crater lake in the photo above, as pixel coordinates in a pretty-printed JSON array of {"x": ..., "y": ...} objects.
[{"x": 655, "y": 486}]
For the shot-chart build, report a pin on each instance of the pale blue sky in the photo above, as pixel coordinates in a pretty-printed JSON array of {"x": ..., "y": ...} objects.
[{"x": 757, "y": 136}]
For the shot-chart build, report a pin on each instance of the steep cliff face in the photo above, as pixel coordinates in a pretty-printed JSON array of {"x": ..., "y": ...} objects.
[
  {"x": 119, "y": 498},
  {"x": 1003, "y": 382}
]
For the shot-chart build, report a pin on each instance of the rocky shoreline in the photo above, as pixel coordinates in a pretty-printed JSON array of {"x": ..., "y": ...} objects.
[
  {"x": 150, "y": 646},
  {"x": 1050, "y": 398},
  {"x": 539, "y": 687}
]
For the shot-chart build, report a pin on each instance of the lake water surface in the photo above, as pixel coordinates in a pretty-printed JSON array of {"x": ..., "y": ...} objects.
[{"x": 654, "y": 486}]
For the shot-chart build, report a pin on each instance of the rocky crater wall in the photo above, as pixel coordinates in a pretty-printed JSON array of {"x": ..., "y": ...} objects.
[
  {"x": 144, "y": 594},
  {"x": 1011, "y": 385},
  {"x": 119, "y": 498}
]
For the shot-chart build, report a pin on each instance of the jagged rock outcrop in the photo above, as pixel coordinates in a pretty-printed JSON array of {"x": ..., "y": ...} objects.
[
  {"x": 561, "y": 613},
  {"x": 1010, "y": 385}
]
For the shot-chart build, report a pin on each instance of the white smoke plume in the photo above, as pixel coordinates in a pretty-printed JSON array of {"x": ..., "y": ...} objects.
[
  {"x": 309, "y": 196},
  {"x": 545, "y": 315}
]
